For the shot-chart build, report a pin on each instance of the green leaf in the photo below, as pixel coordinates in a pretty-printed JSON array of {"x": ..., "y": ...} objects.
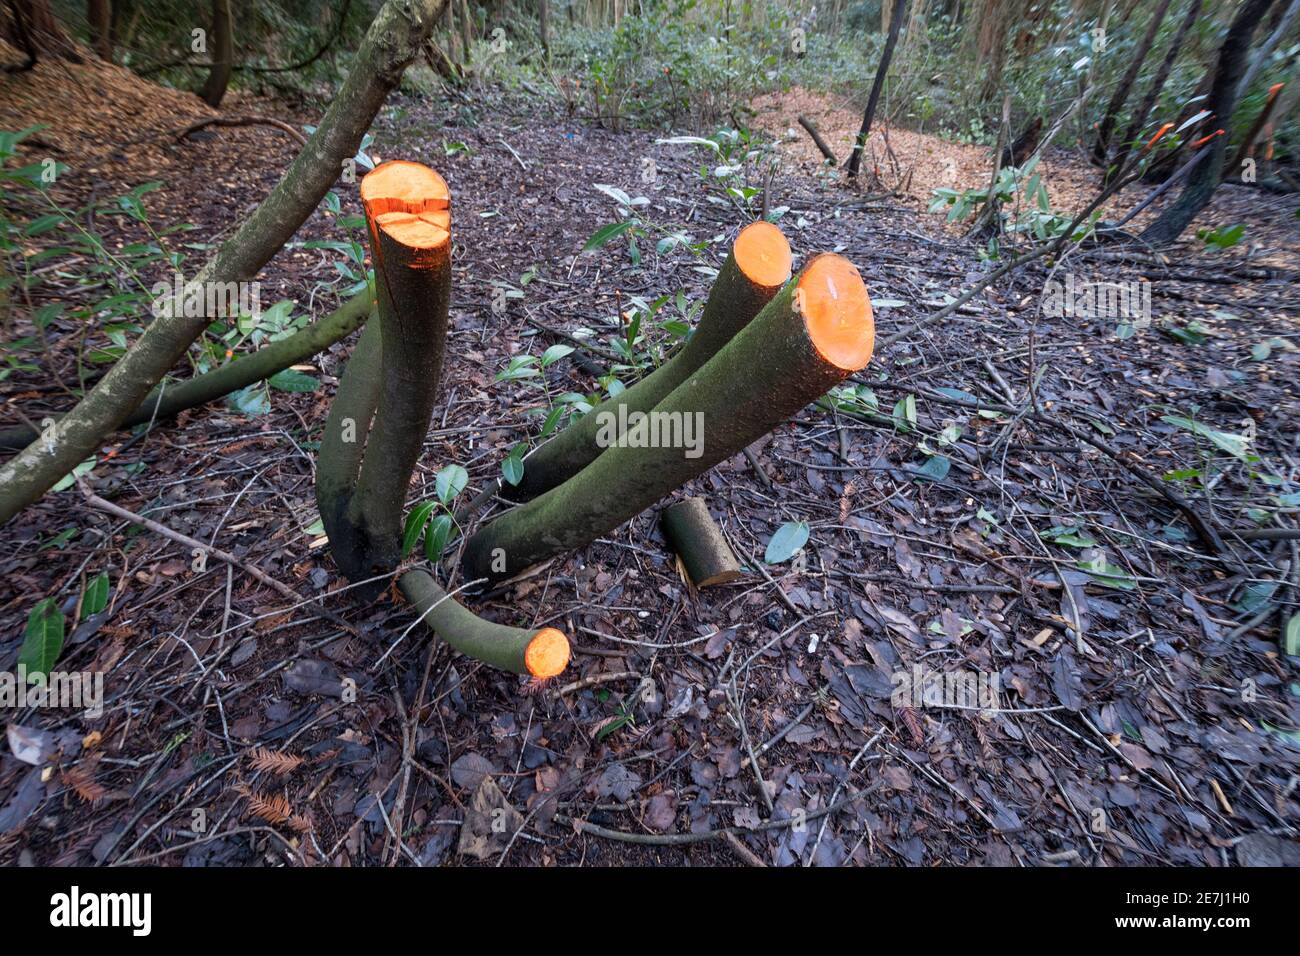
[
  {"x": 95, "y": 596},
  {"x": 1233, "y": 444},
  {"x": 251, "y": 401},
  {"x": 512, "y": 469},
  {"x": 415, "y": 523},
  {"x": 435, "y": 538},
  {"x": 789, "y": 538},
  {"x": 555, "y": 353},
  {"x": 1074, "y": 537},
  {"x": 450, "y": 482},
  {"x": 1291, "y": 643},
  {"x": 606, "y": 233},
  {"x": 291, "y": 380},
  {"x": 43, "y": 641},
  {"x": 67, "y": 480},
  {"x": 1107, "y": 574},
  {"x": 936, "y": 468}
]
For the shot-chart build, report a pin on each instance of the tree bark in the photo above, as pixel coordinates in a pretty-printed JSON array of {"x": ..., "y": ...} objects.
[
  {"x": 99, "y": 18},
  {"x": 736, "y": 298},
  {"x": 704, "y": 553},
  {"x": 411, "y": 249},
  {"x": 1101, "y": 146},
  {"x": 223, "y": 53},
  {"x": 537, "y": 652},
  {"x": 782, "y": 361},
  {"x": 1222, "y": 103},
  {"x": 391, "y": 43},
  {"x": 166, "y": 402},
  {"x": 33, "y": 28},
  {"x": 895, "y": 24},
  {"x": 544, "y": 27}
]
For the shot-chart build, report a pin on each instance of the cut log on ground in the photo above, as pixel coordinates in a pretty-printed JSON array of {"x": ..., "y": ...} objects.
[
  {"x": 167, "y": 401},
  {"x": 704, "y": 553},
  {"x": 756, "y": 268},
  {"x": 365, "y": 470},
  {"x": 538, "y": 652},
  {"x": 816, "y": 332}
]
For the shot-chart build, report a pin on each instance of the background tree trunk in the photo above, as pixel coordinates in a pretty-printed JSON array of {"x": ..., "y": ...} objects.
[
  {"x": 1139, "y": 118},
  {"x": 855, "y": 159},
  {"x": 1101, "y": 147},
  {"x": 1222, "y": 102},
  {"x": 222, "y": 46},
  {"x": 99, "y": 17}
]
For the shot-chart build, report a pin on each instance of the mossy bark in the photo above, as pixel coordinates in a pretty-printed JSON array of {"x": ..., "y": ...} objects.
[
  {"x": 498, "y": 645},
  {"x": 769, "y": 371},
  {"x": 164, "y": 402},
  {"x": 732, "y": 304},
  {"x": 705, "y": 554}
]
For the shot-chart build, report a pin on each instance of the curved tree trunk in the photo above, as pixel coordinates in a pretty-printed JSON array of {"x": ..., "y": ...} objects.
[
  {"x": 755, "y": 270},
  {"x": 222, "y": 40},
  {"x": 538, "y": 652},
  {"x": 1222, "y": 103},
  {"x": 815, "y": 333},
  {"x": 407, "y": 211},
  {"x": 393, "y": 40}
]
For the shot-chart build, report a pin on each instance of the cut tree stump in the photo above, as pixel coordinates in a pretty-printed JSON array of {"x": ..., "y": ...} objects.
[
  {"x": 704, "y": 553},
  {"x": 756, "y": 268},
  {"x": 814, "y": 334},
  {"x": 538, "y": 652},
  {"x": 365, "y": 469}
]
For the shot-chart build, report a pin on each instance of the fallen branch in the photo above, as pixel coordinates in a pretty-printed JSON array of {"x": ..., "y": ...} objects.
[
  {"x": 816, "y": 135},
  {"x": 243, "y": 121},
  {"x": 391, "y": 43},
  {"x": 704, "y": 553}
]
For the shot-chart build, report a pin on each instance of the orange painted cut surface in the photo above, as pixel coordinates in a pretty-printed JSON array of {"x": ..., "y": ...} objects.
[
  {"x": 547, "y": 654},
  {"x": 402, "y": 186},
  {"x": 425, "y": 231},
  {"x": 837, "y": 311},
  {"x": 763, "y": 254}
]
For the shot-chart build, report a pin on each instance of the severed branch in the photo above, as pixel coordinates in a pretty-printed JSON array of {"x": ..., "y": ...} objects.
[{"x": 243, "y": 121}]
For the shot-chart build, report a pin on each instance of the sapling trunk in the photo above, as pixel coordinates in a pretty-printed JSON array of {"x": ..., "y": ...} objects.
[
  {"x": 705, "y": 555},
  {"x": 164, "y": 402},
  {"x": 538, "y": 652},
  {"x": 756, "y": 268},
  {"x": 816, "y": 332},
  {"x": 366, "y": 468}
]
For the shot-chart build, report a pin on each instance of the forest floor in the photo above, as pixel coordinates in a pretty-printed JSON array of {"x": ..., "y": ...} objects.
[{"x": 1145, "y": 713}]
